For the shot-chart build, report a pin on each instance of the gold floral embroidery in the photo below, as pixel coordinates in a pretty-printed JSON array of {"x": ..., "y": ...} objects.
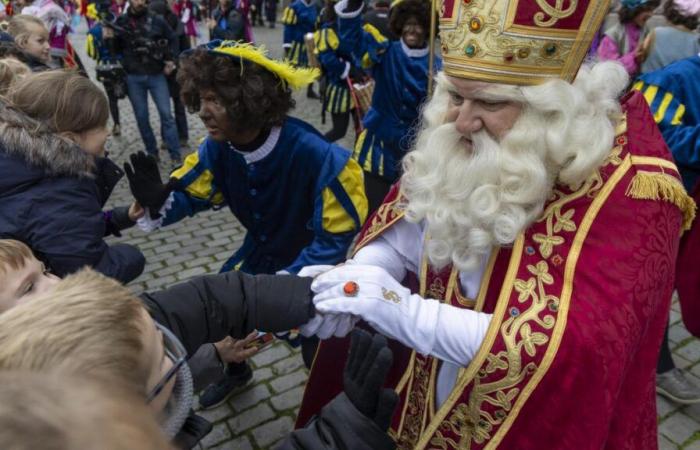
[
  {"x": 474, "y": 423},
  {"x": 416, "y": 404},
  {"x": 436, "y": 290},
  {"x": 390, "y": 295}
]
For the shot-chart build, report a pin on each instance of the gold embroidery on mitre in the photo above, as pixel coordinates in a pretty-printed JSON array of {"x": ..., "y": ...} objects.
[
  {"x": 485, "y": 39},
  {"x": 555, "y": 13}
]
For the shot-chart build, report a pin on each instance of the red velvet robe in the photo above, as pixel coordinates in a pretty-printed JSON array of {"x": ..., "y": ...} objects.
[{"x": 579, "y": 305}]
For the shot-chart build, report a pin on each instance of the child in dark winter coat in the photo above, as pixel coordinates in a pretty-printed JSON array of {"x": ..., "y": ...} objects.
[{"x": 55, "y": 179}]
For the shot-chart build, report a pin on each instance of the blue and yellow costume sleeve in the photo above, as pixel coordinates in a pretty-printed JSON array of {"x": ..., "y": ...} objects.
[
  {"x": 367, "y": 43},
  {"x": 673, "y": 95},
  {"x": 197, "y": 191},
  {"x": 339, "y": 212},
  {"x": 337, "y": 96}
]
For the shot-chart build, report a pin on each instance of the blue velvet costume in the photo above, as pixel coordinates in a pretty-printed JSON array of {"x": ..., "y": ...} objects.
[
  {"x": 300, "y": 198},
  {"x": 673, "y": 94},
  {"x": 298, "y": 18},
  {"x": 334, "y": 57},
  {"x": 401, "y": 77}
]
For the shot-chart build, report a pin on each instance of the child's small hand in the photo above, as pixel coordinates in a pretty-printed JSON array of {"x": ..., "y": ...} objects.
[
  {"x": 136, "y": 211},
  {"x": 234, "y": 350}
]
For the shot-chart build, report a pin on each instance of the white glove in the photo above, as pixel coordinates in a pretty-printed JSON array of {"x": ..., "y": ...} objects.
[
  {"x": 313, "y": 271},
  {"x": 325, "y": 325},
  {"x": 446, "y": 332}
]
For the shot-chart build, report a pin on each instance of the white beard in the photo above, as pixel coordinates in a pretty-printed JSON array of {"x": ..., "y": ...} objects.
[{"x": 474, "y": 201}]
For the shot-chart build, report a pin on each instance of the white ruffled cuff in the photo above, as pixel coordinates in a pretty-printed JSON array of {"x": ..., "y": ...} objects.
[{"x": 148, "y": 224}]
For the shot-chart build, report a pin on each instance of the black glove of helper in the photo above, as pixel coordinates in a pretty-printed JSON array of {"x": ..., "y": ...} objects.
[
  {"x": 146, "y": 184},
  {"x": 368, "y": 363}
]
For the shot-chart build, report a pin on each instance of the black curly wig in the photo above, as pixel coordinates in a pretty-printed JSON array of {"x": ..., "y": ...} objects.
[
  {"x": 419, "y": 9},
  {"x": 253, "y": 96}
]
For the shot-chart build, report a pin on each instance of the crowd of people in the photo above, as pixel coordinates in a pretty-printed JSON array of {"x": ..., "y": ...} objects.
[{"x": 497, "y": 252}]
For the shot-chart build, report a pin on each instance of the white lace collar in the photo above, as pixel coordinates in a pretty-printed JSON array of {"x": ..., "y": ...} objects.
[
  {"x": 263, "y": 150},
  {"x": 413, "y": 52}
]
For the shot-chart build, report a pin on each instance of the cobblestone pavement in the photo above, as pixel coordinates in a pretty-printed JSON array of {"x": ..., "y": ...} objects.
[{"x": 261, "y": 415}]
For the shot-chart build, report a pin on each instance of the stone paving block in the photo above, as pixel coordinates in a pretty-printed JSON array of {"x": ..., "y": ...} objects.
[
  {"x": 210, "y": 251},
  {"x": 664, "y": 407},
  {"x": 216, "y": 414},
  {"x": 692, "y": 411},
  {"x": 251, "y": 417},
  {"x": 216, "y": 243},
  {"x": 678, "y": 428},
  {"x": 194, "y": 262},
  {"x": 678, "y": 333},
  {"x": 241, "y": 443},
  {"x": 189, "y": 273},
  {"x": 219, "y": 433},
  {"x": 263, "y": 374},
  {"x": 675, "y": 317},
  {"x": 170, "y": 269},
  {"x": 285, "y": 382},
  {"x": 167, "y": 257},
  {"x": 168, "y": 247},
  {"x": 250, "y": 397},
  {"x": 152, "y": 243},
  {"x": 273, "y": 431},
  {"x": 665, "y": 444},
  {"x": 694, "y": 445},
  {"x": 160, "y": 282},
  {"x": 689, "y": 351},
  {"x": 288, "y": 400},
  {"x": 271, "y": 354},
  {"x": 288, "y": 365}
]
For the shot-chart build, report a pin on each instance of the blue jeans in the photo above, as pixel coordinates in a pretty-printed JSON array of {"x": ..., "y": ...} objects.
[{"x": 138, "y": 87}]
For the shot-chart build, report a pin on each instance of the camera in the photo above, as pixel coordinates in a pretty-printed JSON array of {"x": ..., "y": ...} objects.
[{"x": 113, "y": 76}]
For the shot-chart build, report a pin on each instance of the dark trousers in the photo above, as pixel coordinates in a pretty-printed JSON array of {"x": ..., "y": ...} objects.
[
  {"x": 665, "y": 362},
  {"x": 179, "y": 107},
  {"x": 113, "y": 104},
  {"x": 376, "y": 189},
  {"x": 340, "y": 125},
  {"x": 271, "y": 11}
]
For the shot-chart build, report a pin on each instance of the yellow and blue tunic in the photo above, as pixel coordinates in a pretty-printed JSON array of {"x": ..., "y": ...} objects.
[
  {"x": 298, "y": 18},
  {"x": 300, "y": 198},
  {"x": 401, "y": 77},
  {"x": 95, "y": 46},
  {"x": 335, "y": 62},
  {"x": 673, "y": 94}
]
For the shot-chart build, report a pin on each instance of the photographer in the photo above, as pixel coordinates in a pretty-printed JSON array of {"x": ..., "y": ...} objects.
[{"x": 148, "y": 46}]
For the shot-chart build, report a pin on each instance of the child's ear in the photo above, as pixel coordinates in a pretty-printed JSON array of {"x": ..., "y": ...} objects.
[{"x": 71, "y": 136}]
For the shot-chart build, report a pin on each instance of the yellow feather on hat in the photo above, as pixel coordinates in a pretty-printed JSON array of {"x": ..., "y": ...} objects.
[{"x": 295, "y": 77}]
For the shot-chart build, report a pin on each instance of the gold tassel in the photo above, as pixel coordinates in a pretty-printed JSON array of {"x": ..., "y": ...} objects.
[{"x": 661, "y": 186}]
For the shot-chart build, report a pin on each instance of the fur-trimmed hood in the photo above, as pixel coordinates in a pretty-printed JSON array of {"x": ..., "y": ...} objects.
[{"x": 31, "y": 141}]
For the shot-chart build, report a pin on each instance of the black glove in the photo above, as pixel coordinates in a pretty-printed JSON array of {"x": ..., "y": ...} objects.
[
  {"x": 365, "y": 372},
  {"x": 145, "y": 182}
]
